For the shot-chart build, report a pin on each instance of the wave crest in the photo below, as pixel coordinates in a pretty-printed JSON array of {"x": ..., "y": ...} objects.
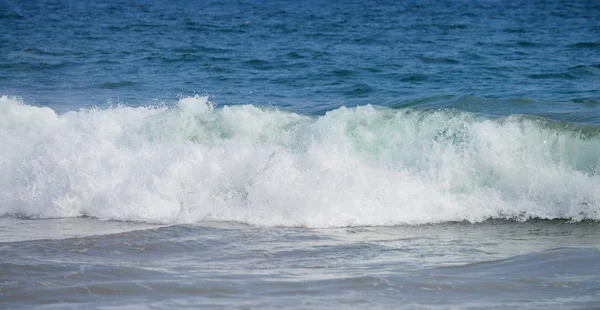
[{"x": 351, "y": 167}]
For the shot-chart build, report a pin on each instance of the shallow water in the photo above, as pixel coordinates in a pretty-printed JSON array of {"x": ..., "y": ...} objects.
[
  {"x": 299, "y": 154},
  {"x": 497, "y": 265}
]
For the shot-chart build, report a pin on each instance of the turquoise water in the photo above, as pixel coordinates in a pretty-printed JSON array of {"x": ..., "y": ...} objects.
[{"x": 299, "y": 154}]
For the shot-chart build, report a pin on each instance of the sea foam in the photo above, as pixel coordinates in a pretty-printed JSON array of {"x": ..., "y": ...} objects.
[{"x": 353, "y": 166}]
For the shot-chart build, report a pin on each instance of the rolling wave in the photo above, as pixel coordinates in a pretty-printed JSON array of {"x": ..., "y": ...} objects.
[{"x": 362, "y": 166}]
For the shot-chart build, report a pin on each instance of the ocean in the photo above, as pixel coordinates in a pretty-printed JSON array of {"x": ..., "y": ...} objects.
[{"x": 299, "y": 154}]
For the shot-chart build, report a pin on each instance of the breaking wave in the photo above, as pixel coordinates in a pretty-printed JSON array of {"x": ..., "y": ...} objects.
[{"x": 360, "y": 166}]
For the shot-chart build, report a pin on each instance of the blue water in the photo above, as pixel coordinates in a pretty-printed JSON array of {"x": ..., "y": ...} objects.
[
  {"x": 299, "y": 154},
  {"x": 491, "y": 57}
]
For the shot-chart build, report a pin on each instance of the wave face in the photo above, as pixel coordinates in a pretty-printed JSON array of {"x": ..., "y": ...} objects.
[{"x": 353, "y": 166}]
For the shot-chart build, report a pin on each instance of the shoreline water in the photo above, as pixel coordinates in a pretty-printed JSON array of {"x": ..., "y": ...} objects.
[{"x": 495, "y": 264}]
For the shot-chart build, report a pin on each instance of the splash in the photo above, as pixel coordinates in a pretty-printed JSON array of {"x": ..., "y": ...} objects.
[{"x": 353, "y": 166}]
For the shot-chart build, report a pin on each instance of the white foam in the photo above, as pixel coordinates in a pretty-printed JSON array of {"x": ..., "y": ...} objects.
[{"x": 360, "y": 166}]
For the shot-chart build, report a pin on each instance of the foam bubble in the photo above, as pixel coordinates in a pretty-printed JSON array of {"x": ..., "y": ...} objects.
[{"x": 361, "y": 166}]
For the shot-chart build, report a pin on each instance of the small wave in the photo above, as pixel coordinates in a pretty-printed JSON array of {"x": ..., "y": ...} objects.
[
  {"x": 535, "y": 267},
  {"x": 585, "y": 45},
  {"x": 359, "y": 90},
  {"x": 529, "y": 44},
  {"x": 438, "y": 60},
  {"x": 416, "y": 77},
  {"x": 294, "y": 55},
  {"x": 342, "y": 73},
  {"x": 201, "y": 49},
  {"x": 259, "y": 64},
  {"x": 113, "y": 85},
  {"x": 557, "y": 75},
  {"x": 454, "y": 26},
  {"x": 585, "y": 70},
  {"x": 35, "y": 65},
  {"x": 362, "y": 166},
  {"x": 514, "y": 30}
]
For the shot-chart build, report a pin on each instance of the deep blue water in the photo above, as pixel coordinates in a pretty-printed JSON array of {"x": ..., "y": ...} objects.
[
  {"x": 299, "y": 154},
  {"x": 495, "y": 57}
]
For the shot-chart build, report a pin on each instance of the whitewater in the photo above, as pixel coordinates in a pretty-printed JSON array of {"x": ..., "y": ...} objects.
[
  {"x": 190, "y": 162},
  {"x": 299, "y": 154}
]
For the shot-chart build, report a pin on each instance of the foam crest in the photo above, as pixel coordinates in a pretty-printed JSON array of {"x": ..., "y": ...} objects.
[{"x": 361, "y": 166}]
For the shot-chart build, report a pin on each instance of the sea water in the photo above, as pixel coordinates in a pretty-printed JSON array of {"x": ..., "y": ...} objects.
[{"x": 299, "y": 154}]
